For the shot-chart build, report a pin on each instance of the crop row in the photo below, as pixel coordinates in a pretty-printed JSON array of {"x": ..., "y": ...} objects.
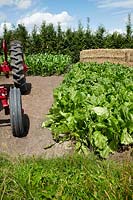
[
  {"x": 93, "y": 106},
  {"x": 47, "y": 64}
]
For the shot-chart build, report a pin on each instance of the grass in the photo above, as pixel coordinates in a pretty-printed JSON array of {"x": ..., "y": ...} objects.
[{"x": 70, "y": 178}]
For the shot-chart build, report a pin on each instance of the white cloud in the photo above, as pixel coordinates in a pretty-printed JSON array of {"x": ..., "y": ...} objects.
[
  {"x": 37, "y": 18},
  {"x": 115, "y": 3},
  {"x": 116, "y": 30},
  {"x": 8, "y": 26},
  {"x": 22, "y": 4}
]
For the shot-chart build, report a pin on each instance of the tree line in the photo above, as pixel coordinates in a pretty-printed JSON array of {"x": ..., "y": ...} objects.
[{"x": 57, "y": 41}]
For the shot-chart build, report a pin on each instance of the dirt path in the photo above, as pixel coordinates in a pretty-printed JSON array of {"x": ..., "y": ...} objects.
[{"x": 36, "y": 106}]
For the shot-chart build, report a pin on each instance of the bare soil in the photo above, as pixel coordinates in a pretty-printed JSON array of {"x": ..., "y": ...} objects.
[{"x": 36, "y": 105}]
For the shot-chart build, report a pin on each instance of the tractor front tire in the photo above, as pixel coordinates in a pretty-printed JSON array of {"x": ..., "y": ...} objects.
[
  {"x": 17, "y": 61},
  {"x": 16, "y": 113}
]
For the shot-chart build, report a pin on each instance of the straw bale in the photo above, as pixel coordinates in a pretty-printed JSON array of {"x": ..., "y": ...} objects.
[{"x": 121, "y": 56}]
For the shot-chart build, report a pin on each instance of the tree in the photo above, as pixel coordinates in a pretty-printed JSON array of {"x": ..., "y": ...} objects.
[
  {"x": 128, "y": 32},
  {"x": 114, "y": 41},
  {"x": 51, "y": 38},
  {"x": 80, "y": 37},
  {"x": 43, "y": 37},
  {"x": 60, "y": 39},
  {"x": 89, "y": 39},
  {"x": 129, "y": 27},
  {"x": 48, "y": 38},
  {"x": 21, "y": 34},
  {"x": 78, "y": 42},
  {"x": 69, "y": 43},
  {"x": 100, "y": 37},
  {"x": 35, "y": 41},
  {"x": 7, "y": 34}
]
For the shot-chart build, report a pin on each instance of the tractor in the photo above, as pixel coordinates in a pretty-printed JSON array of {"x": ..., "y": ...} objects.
[{"x": 10, "y": 99}]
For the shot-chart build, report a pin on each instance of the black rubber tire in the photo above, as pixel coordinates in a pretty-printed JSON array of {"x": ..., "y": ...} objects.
[
  {"x": 16, "y": 114},
  {"x": 16, "y": 55}
]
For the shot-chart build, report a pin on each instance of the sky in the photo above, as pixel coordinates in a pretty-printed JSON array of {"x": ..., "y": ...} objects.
[{"x": 112, "y": 14}]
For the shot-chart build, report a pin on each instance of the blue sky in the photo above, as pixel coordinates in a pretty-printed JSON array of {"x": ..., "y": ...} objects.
[{"x": 110, "y": 13}]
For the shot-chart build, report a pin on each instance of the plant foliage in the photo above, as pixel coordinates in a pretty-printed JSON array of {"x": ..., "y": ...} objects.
[
  {"x": 94, "y": 106},
  {"x": 47, "y": 64}
]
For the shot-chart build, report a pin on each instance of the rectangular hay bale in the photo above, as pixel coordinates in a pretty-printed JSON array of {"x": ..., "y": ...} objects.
[{"x": 121, "y": 56}]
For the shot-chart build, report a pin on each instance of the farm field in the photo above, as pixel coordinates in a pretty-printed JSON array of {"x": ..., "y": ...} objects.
[
  {"x": 79, "y": 116},
  {"x": 92, "y": 106},
  {"x": 34, "y": 172}
]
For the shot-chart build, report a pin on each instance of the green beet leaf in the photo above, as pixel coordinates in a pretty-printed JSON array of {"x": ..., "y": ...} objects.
[
  {"x": 93, "y": 105},
  {"x": 126, "y": 138}
]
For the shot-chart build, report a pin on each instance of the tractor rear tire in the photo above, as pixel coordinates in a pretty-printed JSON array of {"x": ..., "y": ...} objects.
[
  {"x": 16, "y": 113},
  {"x": 16, "y": 55}
]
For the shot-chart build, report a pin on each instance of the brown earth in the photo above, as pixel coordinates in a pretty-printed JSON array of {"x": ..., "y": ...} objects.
[{"x": 36, "y": 105}]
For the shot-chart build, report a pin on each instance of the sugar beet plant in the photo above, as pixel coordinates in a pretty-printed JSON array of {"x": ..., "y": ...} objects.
[
  {"x": 94, "y": 107},
  {"x": 47, "y": 64}
]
